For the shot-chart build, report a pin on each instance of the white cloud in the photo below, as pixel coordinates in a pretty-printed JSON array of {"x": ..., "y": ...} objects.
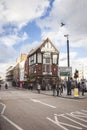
[
  {"x": 12, "y": 39},
  {"x": 21, "y": 12},
  {"x": 7, "y": 54},
  {"x": 77, "y": 63},
  {"x": 29, "y": 46},
  {"x": 63, "y": 58},
  {"x": 14, "y": 15},
  {"x": 18, "y": 14},
  {"x": 73, "y": 15}
]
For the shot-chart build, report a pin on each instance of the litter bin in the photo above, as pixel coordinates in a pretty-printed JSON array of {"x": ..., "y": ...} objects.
[{"x": 76, "y": 92}]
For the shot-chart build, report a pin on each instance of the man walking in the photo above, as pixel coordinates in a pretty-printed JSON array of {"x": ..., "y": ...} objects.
[{"x": 54, "y": 88}]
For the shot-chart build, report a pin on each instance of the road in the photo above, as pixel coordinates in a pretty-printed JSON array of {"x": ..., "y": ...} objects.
[{"x": 27, "y": 110}]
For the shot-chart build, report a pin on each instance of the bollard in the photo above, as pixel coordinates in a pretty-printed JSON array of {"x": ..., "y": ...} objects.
[{"x": 76, "y": 92}]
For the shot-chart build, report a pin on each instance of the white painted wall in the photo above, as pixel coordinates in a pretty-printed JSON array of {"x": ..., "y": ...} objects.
[{"x": 21, "y": 67}]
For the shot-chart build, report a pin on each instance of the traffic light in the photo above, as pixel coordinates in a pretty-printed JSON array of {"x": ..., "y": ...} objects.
[{"x": 76, "y": 74}]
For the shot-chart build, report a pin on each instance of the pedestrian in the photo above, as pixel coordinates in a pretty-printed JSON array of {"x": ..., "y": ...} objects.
[
  {"x": 60, "y": 89},
  {"x": 54, "y": 88},
  {"x": 68, "y": 87},
  {"x": 31, "y": 86},
  {"x": 78, "y": 87},
  {"x": 57, "y": 88},
  {"x": 38, "y": 88},
  {"x": 6, "y": 86},
  {"x": 83, "y": 88}
]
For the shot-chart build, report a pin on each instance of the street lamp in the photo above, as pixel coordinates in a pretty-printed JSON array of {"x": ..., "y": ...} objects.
[
  {"x": 68, "y": 61},
  {"x": 68, "y": 64}
]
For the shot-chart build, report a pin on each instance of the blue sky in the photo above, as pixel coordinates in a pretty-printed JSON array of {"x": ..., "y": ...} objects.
[{"x": 25, "y": 24}]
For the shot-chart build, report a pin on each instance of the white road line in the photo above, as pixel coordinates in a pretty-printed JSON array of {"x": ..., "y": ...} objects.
[
  {"x": 75, "y": 116},
  {"x": 12, "y": 123},
  {"x": 84, "y": 111},
  {"x": 4, "y": 107},
  {"x": 60, "y": 124},
  {"x": 34, "y": 100},
  {"x": 56, "y": 123},
  {"x": 69, "y": 116},
  {"x": 74, "y": 121}
]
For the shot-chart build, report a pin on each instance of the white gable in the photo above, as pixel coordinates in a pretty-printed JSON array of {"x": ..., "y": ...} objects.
[{"x": 48, "y": 47}]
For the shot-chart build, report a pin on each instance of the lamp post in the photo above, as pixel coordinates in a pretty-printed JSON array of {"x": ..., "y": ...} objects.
[
  {"x": 68, "y": 64},
  {"x": 68, "y": 61}
]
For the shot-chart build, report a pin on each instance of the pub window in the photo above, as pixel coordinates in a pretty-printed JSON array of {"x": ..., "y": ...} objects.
[
  {"x": 46, "y": 58},
  {"x": 34, "y": 58},
  {"x": 29, "y": 61},
  {"x": 54, "y": 59},
  {"x": 39, "y": 58}
]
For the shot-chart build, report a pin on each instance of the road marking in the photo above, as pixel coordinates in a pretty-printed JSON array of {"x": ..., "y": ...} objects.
[
  {"x": 75, "y": 116},
  {"x": 79, "y": 114},
  {"x": 74, "y": 121},
  {"x": 12, "y": 123},
  {"x": 72, "y": 118},
  {"x": 60, "y": 124},
  {"x": 4, "y": 107},
  {"x": 34, "y": 100},
  {"x": 84, "y": 111}
]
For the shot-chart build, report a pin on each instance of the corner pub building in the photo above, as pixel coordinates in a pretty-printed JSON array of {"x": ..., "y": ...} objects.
[{"x": 41, "y": 65}]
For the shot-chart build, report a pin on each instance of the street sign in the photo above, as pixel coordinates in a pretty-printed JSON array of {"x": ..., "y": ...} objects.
[{"x": 65, "y": 71}]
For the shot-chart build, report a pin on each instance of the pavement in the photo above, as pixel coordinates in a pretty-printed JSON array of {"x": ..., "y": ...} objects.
[
  {"x": 64, "y": 94},
  {"x": 74, "y": 94}
]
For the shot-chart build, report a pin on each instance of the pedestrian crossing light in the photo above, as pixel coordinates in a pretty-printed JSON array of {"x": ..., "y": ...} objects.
[{"x": 76, "y": 74}]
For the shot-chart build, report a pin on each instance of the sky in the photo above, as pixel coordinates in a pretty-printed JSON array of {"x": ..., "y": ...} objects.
[{"x": 25, "y": 24}]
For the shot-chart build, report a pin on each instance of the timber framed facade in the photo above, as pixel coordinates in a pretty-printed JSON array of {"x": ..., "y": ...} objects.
[{"x": 42, "y": 64}]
